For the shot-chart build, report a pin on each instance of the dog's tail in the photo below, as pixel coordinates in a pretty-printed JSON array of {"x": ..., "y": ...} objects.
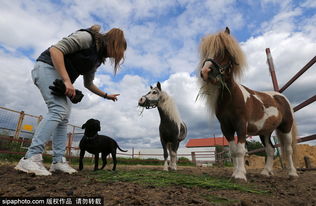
[{"x": 120, "y": 148}]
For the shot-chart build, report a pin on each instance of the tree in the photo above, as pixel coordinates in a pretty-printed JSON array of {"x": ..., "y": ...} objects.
[{"x": 253, "y": 144}]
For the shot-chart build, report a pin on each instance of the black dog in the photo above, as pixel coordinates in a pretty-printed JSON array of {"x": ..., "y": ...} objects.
[{"x": 95, "y": 144}]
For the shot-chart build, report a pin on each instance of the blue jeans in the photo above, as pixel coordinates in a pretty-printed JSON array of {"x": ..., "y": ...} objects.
[{"x": 54, "y": 124}]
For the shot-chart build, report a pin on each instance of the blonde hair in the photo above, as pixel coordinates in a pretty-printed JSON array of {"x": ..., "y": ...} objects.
[
  {"x": 95, "y": 28},
  {"x": 113, "y": 41},
  {"x": 116, "y": 46}
]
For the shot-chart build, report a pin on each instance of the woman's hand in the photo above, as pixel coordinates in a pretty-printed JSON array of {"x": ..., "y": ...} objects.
[
  {"x": 112, "y": 97},
  {"x": 70, "y": 89},
  {"x": 58, "y": 61}
]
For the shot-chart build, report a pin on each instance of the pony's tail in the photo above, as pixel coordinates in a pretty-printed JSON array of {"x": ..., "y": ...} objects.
[{"x": 183, "y": 131}]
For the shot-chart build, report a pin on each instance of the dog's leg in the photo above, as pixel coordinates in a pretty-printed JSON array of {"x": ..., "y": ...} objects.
[
  {"x": 81, "y": 159},
  {"x": 113, "y": 153},
  {"x": 103, "y": 155},
  {"x": 96, "y": 161}
]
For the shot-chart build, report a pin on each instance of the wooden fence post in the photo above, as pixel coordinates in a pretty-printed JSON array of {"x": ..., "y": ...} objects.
[
  {"x": 307, "y": 161},
  {"x": 68, "y": 151},
  {"x": 272, "y": 70},
  {"x": 19, "y": 125},
  {"x": 193, "y": 157},
  {"x": 39, "y": 119},
  {"x": 133, "y": 153}
]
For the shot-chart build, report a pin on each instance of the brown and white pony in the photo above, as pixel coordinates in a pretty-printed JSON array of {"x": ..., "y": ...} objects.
[
  {"x": 172, "y": 129},
  {"x": 240, "y": 109}
]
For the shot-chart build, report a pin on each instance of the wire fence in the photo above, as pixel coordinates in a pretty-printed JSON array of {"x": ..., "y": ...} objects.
[{"x": 17, "y": 129}]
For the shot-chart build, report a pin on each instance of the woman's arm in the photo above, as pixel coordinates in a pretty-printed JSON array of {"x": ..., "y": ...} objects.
[
  {"x": 88, "y": 83},
  {"x": 58, "y": 61},
  {"x": 70, "y": 44}
]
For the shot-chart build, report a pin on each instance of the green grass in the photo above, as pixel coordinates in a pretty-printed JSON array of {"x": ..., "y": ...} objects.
[
  {"x": 163, "y": 179},
  {"x": 130, "y": 161},
  {"x": 157, "y": 178},
  {"x": 219, "y": 200}
]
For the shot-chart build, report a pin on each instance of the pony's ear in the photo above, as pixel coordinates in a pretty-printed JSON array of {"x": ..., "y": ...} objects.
[
  {"x": 159, "y": 85},
  {"x": 151, "y": 87},
  {"x": 227, "y": 30}
]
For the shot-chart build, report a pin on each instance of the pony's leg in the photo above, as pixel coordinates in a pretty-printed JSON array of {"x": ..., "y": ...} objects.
[
  {"x": 165, "y": 155},
  {"x": 267, "y": 171},
  {"x": 286, "y": 144},
  {"x": 232, "y": 149},
  {"x": 173, "y": 155},
  {"x": 240, "y": 151},
  {"x": 240, "y": 171}
]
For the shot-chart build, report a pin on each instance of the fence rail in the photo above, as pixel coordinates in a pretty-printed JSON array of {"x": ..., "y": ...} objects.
[{"x": 290, "y": 82}]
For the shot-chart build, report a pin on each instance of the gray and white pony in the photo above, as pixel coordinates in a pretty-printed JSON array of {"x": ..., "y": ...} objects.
[{"x": 172, "y": 129}]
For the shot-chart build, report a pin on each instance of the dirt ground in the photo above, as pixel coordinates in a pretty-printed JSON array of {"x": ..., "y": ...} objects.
[{"x": 282, "y": 191}]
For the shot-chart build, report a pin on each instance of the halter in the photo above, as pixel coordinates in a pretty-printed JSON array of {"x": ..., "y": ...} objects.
[
  {"x": 219, "y": 69},
  {"x": 150, "y": 104}
]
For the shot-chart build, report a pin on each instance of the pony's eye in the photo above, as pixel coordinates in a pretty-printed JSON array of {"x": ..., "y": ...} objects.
[{"x": 154, "y": 92}]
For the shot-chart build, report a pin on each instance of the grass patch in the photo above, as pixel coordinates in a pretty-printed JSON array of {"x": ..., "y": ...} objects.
[
  {"x": 163, "y": 179},
  {"x": 219, "y": 200},
  {"x": 132, "y": 161}
]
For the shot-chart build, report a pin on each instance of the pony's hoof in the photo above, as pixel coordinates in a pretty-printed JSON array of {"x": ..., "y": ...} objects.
[
  {"x": 239, "y": 179},
  {"x": 239, "y": 176},
  {"x": 267, "y": 173},
  {"x": 293, "y": 176}
]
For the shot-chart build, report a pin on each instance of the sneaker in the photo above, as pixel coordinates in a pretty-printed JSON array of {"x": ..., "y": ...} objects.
[
  {"x": 33, "y": 164},
  {"x": 62, "y": 166}
]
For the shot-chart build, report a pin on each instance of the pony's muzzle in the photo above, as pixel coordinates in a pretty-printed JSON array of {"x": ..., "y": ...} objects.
[
  {"x": 142, "y": 101},
  {"x": 205, "y": 71}
]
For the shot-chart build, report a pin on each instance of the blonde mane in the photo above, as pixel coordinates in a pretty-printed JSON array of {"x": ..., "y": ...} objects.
[
  {"x": 169, "y": 106},
  {"x": 220, "y": 45}
]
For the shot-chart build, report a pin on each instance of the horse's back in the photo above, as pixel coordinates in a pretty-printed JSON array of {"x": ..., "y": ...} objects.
[{"x": 268, "y": 111}]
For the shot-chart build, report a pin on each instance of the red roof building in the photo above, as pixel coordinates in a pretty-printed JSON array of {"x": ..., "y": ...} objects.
[{"x": 207, "y": 142}]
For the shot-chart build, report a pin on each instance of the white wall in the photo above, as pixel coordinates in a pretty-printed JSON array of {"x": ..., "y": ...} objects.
[
  {"x": 202, "y": 153},
  {"x": 205, "y": 154}
]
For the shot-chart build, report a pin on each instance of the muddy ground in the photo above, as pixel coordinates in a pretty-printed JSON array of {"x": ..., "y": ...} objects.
[{"x": 281, "y": 190}]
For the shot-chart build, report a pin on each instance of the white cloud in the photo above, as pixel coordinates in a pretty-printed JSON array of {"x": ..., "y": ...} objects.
[{"x": 163, "y": 38}]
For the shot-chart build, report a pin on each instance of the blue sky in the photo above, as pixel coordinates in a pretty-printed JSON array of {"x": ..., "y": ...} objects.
[{"x": 163, "y": 38}]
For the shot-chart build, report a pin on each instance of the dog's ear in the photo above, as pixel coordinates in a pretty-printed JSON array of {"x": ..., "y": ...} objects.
[
  {"x": 99, "y": 126},
  {"x": 83, "y": 126},
  {"x": 159, "y": 85}
]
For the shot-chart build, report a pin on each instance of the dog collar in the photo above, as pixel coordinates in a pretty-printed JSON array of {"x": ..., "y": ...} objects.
[{"x": 93, "y": 137}]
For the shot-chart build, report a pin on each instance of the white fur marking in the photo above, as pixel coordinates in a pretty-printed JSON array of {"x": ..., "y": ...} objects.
[
  {"x": 268, "y": 112},
  {"x": 169, "y": 106},
  {"x": 240, "y": 172},
  {"x": 244, "y": 92},
  {"x": 255, "y": 96}
]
